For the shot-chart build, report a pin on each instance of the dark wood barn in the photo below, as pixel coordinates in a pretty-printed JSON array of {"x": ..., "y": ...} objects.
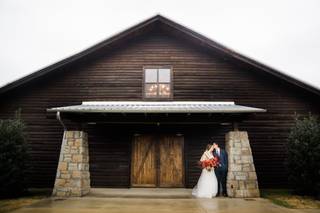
[{"x": 207, "y": 90}]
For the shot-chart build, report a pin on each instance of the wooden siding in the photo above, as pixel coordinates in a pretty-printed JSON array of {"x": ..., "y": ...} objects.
[
  {"x": 197, "y": 75},
  {"x": 110, "y": 149},
  {"x": 109, "y": 155}
]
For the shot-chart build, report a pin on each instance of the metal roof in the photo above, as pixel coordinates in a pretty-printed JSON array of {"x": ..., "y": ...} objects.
[{"x": 156, "y": 107}]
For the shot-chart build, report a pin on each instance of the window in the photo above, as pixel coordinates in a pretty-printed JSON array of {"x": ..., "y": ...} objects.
[{"x": 157, "y": 82}]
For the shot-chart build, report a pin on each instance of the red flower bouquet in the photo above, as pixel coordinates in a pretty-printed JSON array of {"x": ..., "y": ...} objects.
[{"x": 209, "y": 164}]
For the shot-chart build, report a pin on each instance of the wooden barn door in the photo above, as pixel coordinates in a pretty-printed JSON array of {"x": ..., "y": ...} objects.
[
  {"x": 171, "y": 172},
  {"x": 157, "y": 161},
  {"x": 143, "y": 167}
]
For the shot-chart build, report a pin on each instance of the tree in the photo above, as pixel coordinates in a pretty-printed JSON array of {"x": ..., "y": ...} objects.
[
  {"x": 304, "y": 156},
  {"x": 13, "y": 158}
]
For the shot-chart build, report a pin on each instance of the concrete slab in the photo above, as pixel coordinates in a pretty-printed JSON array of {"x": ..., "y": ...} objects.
[
  {"x": 142, "y": 205},
  {"x": 141, "y": 193}
]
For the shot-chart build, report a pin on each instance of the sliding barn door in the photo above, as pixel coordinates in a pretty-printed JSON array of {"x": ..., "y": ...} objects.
[
  {"x": 143, "y": 167},
  {"x": 157, "y": 161},
  {"x": 171, "y": 172}
]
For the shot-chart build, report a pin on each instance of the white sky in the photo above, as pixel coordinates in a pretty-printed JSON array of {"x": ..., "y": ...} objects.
[{"x": 284, "y": 34}]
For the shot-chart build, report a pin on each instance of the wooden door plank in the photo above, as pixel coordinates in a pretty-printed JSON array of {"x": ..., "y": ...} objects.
[
  {"x": 143, "y": 173},
  {"x": 171, "y": 161}
]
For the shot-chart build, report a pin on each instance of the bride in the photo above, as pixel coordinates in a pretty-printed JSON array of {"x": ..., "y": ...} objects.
[{"x": 207, "y": 186}]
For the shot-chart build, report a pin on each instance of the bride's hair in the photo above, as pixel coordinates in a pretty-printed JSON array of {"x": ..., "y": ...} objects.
[{"x": 208, "y": 146}]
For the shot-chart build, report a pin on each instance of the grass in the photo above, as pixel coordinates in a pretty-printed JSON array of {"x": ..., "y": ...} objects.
[
  {"x": 33, "y": 196},
  {"x": 285, "y": 198}
]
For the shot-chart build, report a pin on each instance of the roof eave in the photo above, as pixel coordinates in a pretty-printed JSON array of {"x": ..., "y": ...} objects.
[
  {"x": 157, "y": 112},
  {"x": 157, "y": 107}
]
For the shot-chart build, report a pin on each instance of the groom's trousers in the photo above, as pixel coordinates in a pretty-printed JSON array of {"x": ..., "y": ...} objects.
[{"x": 221, "y": 175}]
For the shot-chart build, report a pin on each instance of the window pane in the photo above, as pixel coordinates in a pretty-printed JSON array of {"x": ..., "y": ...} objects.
[
  {"x": 164, "y": 75},
  {"x": 164, "y": 90},
  {"x": 151, "y": 90},
  {"x": 151, "y": 75}
]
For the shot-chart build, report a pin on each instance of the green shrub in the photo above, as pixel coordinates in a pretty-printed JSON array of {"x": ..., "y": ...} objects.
[
  {"x": 13, "y": 157},
  {"x": 304, "y": 156}
]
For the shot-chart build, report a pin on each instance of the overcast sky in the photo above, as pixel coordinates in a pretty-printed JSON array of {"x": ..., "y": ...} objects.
[{"x": 284, "y": 34}]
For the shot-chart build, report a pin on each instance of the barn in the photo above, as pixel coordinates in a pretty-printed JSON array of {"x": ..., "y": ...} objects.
[{"x": 137, "y": 110}]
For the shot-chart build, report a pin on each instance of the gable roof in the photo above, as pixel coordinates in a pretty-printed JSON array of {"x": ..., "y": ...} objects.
[{"x": 142, "y": 28}]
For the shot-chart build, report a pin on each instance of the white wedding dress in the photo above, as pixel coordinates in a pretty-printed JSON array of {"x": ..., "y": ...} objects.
[{"x": 207, "y": 186}]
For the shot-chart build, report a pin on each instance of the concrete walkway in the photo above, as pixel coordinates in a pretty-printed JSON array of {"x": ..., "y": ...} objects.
[
  {"x": 141, "y": 192},
  {"x": 144, "y": 205}
]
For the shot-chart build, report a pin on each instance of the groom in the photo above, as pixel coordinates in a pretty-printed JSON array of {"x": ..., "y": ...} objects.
[{"x": 222, "y": 169}]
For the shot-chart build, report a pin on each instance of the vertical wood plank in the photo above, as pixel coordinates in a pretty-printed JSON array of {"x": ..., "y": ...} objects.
[
  {"x": 143, "y": 162},
  {"x": 171, "y": 161}
]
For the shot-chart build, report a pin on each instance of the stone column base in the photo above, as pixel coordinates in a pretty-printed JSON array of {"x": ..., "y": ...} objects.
[
  {"x": 241, "y": 179},
  {"x": 73, "y": 177}
]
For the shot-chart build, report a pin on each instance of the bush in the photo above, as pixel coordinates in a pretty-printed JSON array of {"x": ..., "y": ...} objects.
[
  {"x": 13, "y": 157},
  {"x": 304, "y": 156}
]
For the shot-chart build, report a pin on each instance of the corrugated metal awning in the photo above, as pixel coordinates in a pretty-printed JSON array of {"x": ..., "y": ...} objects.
[{"x": 156, "y": 107}]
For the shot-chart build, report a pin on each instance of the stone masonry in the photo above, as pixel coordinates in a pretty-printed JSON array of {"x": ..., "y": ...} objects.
[
  {"x": 241, "y": 179},
  {"x": 73, "y": 177}
]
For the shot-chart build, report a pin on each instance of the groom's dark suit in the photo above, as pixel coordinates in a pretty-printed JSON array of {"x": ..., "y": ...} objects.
[{"x": 221, "y": 170}]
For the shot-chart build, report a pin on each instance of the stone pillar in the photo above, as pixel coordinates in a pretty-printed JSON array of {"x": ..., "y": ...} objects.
[
  {"x": 73, "y": 177},
  {"x": 242, "y": 178}
]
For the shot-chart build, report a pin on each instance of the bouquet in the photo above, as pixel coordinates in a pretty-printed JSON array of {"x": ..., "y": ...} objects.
[{"x": 209, "y": 164}]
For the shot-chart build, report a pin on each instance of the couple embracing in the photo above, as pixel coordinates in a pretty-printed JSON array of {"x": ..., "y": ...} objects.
[{"x": 213, "y": 178}]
